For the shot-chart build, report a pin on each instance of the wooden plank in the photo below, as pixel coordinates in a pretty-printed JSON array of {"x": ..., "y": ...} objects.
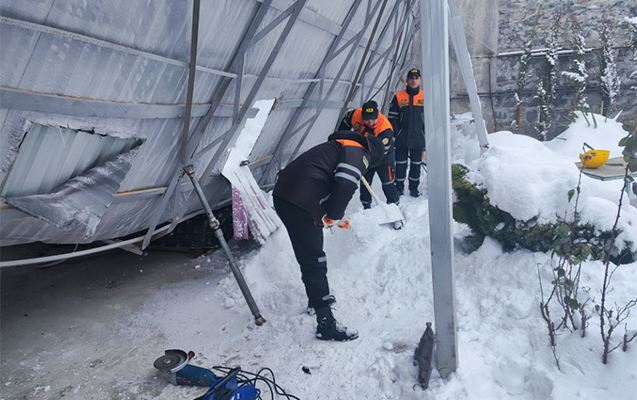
[{"x": 615, "y": 168}]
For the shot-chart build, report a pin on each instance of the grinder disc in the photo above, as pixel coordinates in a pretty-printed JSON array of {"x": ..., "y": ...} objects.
[{"x": 168, "y": 361}]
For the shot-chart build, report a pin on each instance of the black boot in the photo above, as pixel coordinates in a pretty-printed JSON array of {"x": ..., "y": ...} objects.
[
  {"x": 330, "y": 329},
  {"x": 327, "y": 301}
]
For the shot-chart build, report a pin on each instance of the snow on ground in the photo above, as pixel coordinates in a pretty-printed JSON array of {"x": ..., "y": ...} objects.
[{"x": 382, "y": 281}]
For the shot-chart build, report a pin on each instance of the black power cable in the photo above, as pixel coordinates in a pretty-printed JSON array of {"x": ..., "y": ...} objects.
[{"x": 249, "y": 378}]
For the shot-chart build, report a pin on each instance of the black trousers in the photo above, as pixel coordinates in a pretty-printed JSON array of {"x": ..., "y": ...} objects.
[
  {"x": 386, "y": 176},
  {"x": 306, "y": 235},
  {"x": 415, "y": 156}
]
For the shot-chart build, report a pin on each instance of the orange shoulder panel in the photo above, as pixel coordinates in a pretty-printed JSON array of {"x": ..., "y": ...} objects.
[
  {"x": 382, "y": 125},
  {"x": 347, "y": 142},
  {"x": 419, "y": 99},
  {"x": 402, "y": 98}
]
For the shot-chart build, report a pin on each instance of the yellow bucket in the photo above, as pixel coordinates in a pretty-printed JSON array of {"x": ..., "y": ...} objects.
[{"x": 594, "y": 158}]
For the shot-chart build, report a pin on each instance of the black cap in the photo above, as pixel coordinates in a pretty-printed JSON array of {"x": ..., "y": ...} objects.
[
  {"x": 370, "y": 110},
  {"x": 413, "y": 72},
  {"x": 376, "y": 151}
]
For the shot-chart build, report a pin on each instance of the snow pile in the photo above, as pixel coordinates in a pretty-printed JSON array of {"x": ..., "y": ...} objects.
[
  {"x": 382, "y": 281},
  {"x": 93, "y": 329},
  {"x": 528, "y": 178}
]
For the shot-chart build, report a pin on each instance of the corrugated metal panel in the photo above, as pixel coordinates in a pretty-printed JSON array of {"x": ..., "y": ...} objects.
[
  {"x": 83, "y": 200},
  {"x": 50, "y": 156},
  {"x": 137, "y": 53}
]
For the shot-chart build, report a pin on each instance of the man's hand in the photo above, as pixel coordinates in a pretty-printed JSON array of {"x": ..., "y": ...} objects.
[{"x": 328, "y": 223}]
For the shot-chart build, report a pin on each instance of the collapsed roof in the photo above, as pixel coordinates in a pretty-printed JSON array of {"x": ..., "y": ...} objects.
[{"x": 106, "y": 85}]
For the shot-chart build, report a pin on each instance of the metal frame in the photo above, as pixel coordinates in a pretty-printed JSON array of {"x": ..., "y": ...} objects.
[
  {"x": 17, "y": 99},
  {"x": 354, "y": 83},
  {"x": 308, "y": 16},
  {"x": 384, "y": 57},
  {"x": 332, "y": 52},
  {"x": 232, "y": 133},
  {"x": 191, "y": 79},
  {"x": 324, "y": 100},
  {"x": 236, "y": 65},
  {"x": 406, "y": 64},
  {"x": 409, "y": 43},
  {"x": 459, "y": 41},
  {"x": 288, "y": 133},
  {"x": 197, "y": 134},
  {"x": 194, "y": 130},
  {"x": 352, "y": 88},
  {"x": 400, "y": 55}
]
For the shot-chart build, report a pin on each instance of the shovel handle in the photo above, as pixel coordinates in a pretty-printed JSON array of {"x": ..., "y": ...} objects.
[{"x": 369, "y": 188}]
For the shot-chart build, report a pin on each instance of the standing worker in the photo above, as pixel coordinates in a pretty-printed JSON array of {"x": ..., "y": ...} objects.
[
  {"x": 406, "y": 114},
  {"x": 312, "y": 192},
  {"x": 370, "y": 122}
]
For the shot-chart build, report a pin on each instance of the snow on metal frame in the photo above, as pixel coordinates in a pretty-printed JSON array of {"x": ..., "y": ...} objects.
[{"x": 126, "y": 57}]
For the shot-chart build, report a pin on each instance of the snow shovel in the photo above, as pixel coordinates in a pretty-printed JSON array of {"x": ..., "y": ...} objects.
[{"x": 391, "y": 212}]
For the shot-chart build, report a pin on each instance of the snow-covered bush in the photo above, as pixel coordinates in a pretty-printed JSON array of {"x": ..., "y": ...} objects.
[{"x": 472, "y": 207}]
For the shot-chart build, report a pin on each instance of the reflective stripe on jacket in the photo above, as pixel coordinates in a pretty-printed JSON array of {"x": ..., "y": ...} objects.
[{"x": 323, "y": 179}]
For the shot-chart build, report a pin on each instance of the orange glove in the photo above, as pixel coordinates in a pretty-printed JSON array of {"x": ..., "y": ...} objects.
[{"x": 328, "y": 223}]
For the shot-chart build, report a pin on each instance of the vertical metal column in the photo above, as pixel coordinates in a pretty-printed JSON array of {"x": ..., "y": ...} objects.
[
  {"x": 435, "y": 74},
  {"x": 191, "y": 79}
]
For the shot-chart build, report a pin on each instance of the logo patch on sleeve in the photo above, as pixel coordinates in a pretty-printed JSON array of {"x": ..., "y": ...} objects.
[
  {"x": 365, "y": 162},
  {"x": 385, "y": 141}
]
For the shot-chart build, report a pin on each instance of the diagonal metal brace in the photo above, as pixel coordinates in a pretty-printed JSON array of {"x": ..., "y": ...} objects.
[{"x": 214, "y": 224}]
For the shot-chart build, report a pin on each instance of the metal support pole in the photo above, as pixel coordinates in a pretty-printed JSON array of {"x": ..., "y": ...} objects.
[
  {"x": 435, "y": 62},
  {"x": 214, "y": 224},
  {"x": 462, "y": 53},
  {"x": 191, "y": 79}
]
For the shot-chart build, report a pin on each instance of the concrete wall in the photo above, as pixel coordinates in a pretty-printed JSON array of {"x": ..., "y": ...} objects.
[{"x": 494, "y": 28}]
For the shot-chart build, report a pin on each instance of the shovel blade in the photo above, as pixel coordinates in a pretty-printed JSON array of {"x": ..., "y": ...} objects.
[{"x": 387, "y": 214}]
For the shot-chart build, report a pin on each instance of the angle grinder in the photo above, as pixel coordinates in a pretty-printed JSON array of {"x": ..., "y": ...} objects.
[{"x": 174, "y": 367}]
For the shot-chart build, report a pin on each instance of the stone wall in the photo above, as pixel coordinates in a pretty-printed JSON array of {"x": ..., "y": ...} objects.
[{"x": 496, "y": 32}]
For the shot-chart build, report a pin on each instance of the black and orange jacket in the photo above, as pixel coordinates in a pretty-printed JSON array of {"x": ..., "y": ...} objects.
[
  {"x": 323, "y": 179},
  {"x": 406, "y": 114},
  {"x": 383, "y": 130}
]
